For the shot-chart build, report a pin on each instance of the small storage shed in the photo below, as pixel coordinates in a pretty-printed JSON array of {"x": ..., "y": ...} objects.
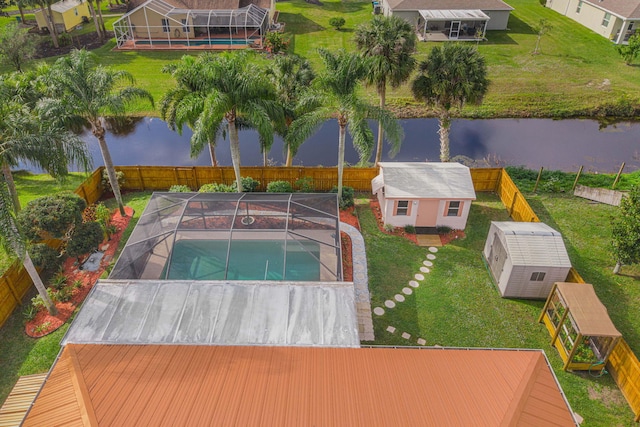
[
  {"x": 67, "y": 15},
  {"x": 425, "y": 195},
  {"x": 580, "y": 326},
  {"x": 525, "y": 258}
]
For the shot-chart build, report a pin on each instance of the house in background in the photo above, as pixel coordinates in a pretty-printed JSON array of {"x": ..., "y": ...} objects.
[
  {"x": 67, "y": 15},
  {"x": 425, "y": 195},
  {"x": 525, "y": 258},
  {"x": 195, "y": 24},
  {"x": 616, "y": 20},
  {"x": 442, "y": 20}
]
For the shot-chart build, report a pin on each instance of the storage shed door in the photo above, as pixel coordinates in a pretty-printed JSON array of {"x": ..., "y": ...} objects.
[{"x": 497, "y": 257}]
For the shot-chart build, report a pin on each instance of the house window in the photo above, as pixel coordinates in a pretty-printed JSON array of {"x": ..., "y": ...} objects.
[
  {"x": 402, "y": 209},
  {"x": 579, "y": 7},
  {"x": 185, "y": 26},
  {"x": 537, "y": 276},
  {"x": 453, "y": 209},
  {"x": 165, "y": 25},
  {"x": 605, "y": 20},
  {"x": 75, "y": 11}
]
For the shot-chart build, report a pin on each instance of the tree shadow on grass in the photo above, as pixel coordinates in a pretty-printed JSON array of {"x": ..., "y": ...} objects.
[{"x": 300, "y": 24}]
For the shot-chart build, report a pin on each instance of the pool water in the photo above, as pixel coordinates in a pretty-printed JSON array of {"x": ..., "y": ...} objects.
[
  {"x": 197, "y": 42},
  {"x": 248, "y": 260}
]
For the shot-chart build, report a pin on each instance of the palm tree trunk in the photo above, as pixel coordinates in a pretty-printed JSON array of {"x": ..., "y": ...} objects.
[
  {"x": 382, "y": 93},
  {"x": 264, "y": 157},
  {"x": 289, "y": 161},
  {"x": 98, "y": 131},
  {"x": 92, "y": 10},
  {"x": 52, "y": 27},
  {"x": 342, "y": 122},
  {"x": 37, "y": 281},
  {"x": 104, "y": 28},
  {"x": 235, "y": 150},
  {"x": 11, "y": 185},
  {"x": 212, "y": 154},
  {"x": 617, "y": 268},
  {"x": 21, "y": 10},
  {"x": 444, "y": 122}
]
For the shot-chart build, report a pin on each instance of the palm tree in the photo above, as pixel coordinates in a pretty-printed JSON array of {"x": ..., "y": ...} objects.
[
  {"x": 452, "y": 75},
  {"x": 27, "y": 136},
  {"x": 291, "y": 76},
  {"x": 15, "y": 244},
  {"x": 230, "y": 89},
  {"x": 389, "y": 42},
  {"x": 338, "y": 98},
  {"x": 82, "y": 93},
  {"x": 47, "y": 12},
  {"x": 92, "y": 11}
]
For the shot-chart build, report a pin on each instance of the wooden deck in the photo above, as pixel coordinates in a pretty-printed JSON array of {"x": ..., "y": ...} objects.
[
  {"x": 20, "y": 399},
  {"x": 428, "y": 240}
]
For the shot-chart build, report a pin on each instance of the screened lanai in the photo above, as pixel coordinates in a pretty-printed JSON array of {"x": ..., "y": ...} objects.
[
  {"x": 234, "y": 236},
  {"x": 442, "y": 25},
  {"x": 159, "y": 24}
]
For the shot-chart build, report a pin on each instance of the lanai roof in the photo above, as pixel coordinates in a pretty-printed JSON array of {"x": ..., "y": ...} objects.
[
  {"x": 484, "y": 5},
  {"x": 205, "y": 4},
  {"x": 114, "y": 385},
  {"x": 428, "y": 180}
]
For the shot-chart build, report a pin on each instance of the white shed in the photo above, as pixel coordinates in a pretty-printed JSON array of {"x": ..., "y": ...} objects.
[
  {"x": 526, "y": 258},
  {"x": 425, "y": 195}
]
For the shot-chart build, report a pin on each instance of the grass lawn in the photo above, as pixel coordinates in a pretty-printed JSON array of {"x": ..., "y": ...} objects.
[
  {"x": 22, "y": 355},
  {"x": 458, "y": 305}
]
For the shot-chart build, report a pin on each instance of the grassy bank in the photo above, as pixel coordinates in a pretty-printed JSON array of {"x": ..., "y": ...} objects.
[
  {"x": 577, "y": 73},
  {"x": 458, "y": 305}
]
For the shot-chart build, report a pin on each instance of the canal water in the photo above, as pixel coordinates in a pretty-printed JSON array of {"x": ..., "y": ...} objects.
[{"x": 554, "y": 144}]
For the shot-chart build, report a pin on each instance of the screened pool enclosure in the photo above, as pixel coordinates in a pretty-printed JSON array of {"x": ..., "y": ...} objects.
[{"x": 235, "y": 236}]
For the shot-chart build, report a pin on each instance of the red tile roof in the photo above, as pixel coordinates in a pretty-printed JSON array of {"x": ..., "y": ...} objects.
[{"x": 155, "y": 385}]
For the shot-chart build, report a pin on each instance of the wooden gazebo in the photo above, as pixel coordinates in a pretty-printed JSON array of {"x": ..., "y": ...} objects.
[{"x": 580, "y": 326}]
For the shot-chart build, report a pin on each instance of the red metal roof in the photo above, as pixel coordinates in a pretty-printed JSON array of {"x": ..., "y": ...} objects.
[{"x": 155, "y": 385}]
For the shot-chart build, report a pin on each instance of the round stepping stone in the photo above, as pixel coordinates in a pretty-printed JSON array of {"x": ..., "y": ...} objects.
[
  {"x": 379, "y": 311},
  {"x": 407, "y": 291},
  {"x": 389, "y": 304},
  {"x": 431, "y": 256},
  {"x": 433, "y": 249},
  {"x": 424, "y": 269},
  {"x": 414, "y": 284},
  {"x": 427, "y": 263},
  {"x": 399, "y": 297},
  {"x": 419, "y": 276}
]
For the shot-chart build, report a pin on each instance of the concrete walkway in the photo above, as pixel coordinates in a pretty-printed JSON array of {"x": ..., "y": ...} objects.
[{"x": 360, "y": 282}]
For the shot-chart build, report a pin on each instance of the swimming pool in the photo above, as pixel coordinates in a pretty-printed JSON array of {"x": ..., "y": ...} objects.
[
  {"x": 248, "y": 260},
  {"x": 197, "y": 42}
]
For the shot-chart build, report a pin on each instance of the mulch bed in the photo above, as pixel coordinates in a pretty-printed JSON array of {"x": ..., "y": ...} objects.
[
  {"x": 348, "y": 215},
  {"x": 87, "y": 41},
  {"x": 451, "y": 236},
  {"x": 397, "y": 231},
  {"x": 44, "y": 323}
]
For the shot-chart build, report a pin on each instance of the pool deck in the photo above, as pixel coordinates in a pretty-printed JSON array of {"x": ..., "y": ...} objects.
[{"x": 360, "y": 283}]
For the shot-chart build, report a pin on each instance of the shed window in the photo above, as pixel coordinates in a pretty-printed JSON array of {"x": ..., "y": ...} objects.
[
  {"x": 537, "y": 276},
  {"x": 453, "y": 209},
  {"x": 165, "y": 25},
  {"x": 579, "y": 7},
  {"x": 185, "y": 26},
  {"x": 402, "y": 209},
  {"x": 75, "y": 11},
  {"x": 605, "y": 20}
]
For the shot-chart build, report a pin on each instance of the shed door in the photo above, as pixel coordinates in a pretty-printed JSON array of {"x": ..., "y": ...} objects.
[
  {"x": 427, "y": 213},
  {"x": 497, "y": 257}
]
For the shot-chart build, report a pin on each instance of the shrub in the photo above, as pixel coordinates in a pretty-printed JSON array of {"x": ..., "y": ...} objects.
[
  {"x": 179, "y": 189},
  {"x": 38, "y": 303},
  {"x": 89, "y": 213},
  {"x": 337, "y": 23},
  {"x": 443, "y": 229},
  {"x": 86, "y": 237},
  {"x": 389, "y": 228},
  {"x": 410, "y": 229},
  {"x": 217, "y": 188},
  {"x": 64, "y": 294},
  {"x": 276, "y": 42},
  {"x": 249, "y": 184},
  {"x": 58, "y": 281},
  {"x": 279, "y": 187},
  {"x": 103, "y": 217},
  {"x": 45, "y": 257},
  {"x": 64, "y": 39},
  {"x": 106, "y": 185},
  {"x": 347, "y": 197},
  {"x": 41, "y": 328},
  {"x": 77, "y": 284},
  {"x": 29, "y": 312},
  {"x": 51, "y": 216},
  {"x": 305, "y": 184}
]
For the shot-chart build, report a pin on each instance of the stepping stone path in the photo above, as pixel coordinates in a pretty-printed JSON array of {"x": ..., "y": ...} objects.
[{"x": 407, "y": 290}]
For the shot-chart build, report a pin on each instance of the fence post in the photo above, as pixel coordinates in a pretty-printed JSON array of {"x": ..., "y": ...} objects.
[
  {"x": 12, "y": 290},
  {"x": 613, "y": 187},
  {"x": 513, "y": 203},
  {"x": 535, "y": 187},
  {"x": 140, "y": 177},
  {"x": 577, "y": 178}
]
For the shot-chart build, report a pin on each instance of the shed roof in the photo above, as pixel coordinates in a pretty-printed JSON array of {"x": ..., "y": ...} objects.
[
  {"x": 104, "y": 385},
  {"x": 590, "y": 315},
  {"x": 484, "y": 5},
  {"x": 65, "y": 5},
  {"x": 222, "y": 313},
  {"x": 624, "y": 8},
  {"x": 533, "y": 244},
  {"x": 425, "y": 180}
]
